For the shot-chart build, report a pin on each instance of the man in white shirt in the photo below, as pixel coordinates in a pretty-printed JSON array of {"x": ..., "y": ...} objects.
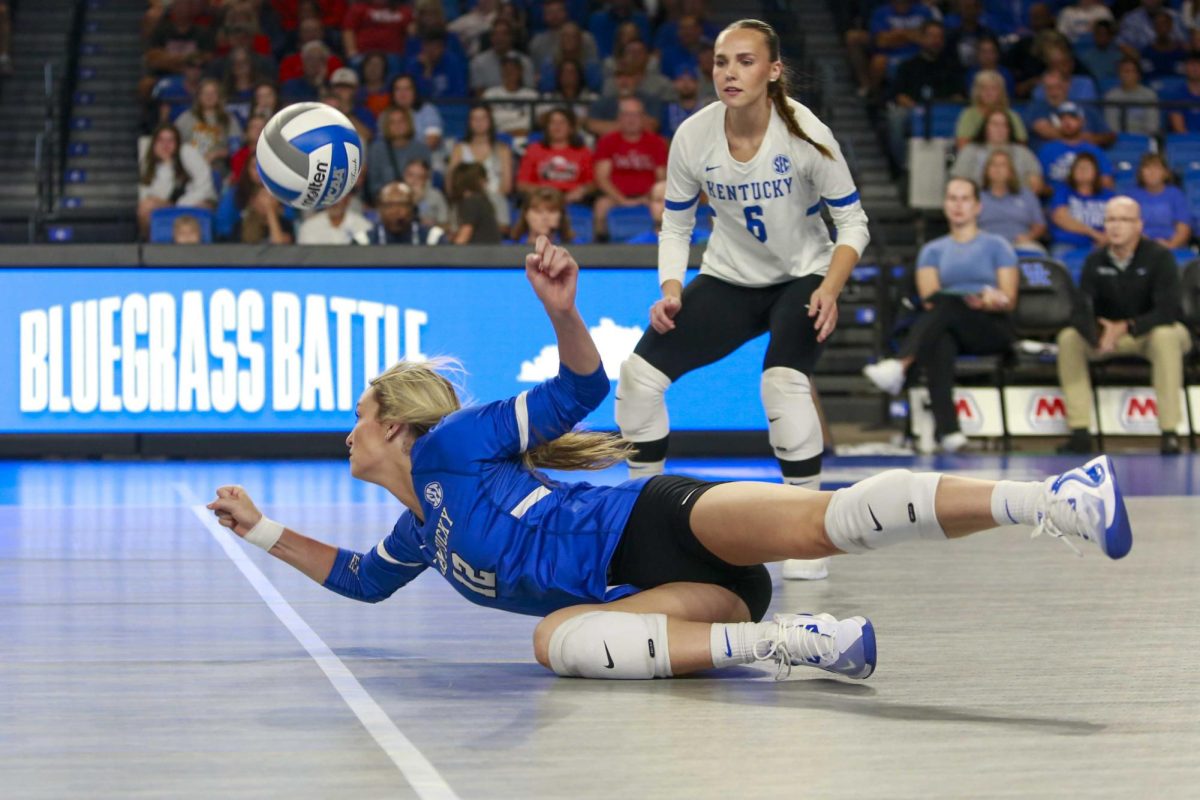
[{"x": 337, "y": 224}]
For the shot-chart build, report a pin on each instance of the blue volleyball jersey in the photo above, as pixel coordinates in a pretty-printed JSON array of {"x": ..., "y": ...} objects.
[{"x": 503, "y": 536}]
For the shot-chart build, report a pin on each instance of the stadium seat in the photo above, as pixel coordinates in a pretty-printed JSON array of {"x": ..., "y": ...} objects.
[
  {"x": 942, "y": 121},
  {"x": 454, "y": 119},
  {"x": 1183, "y": 151},
  {"x": 625, "y": 223},
  {"x": 162, "y": 223},
  {"x": 581, "y": 222}
]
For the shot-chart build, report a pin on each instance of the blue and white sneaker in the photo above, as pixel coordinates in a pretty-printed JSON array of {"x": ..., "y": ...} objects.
[
  {"x": 844, "y": 647},
  {"x": 1086, "y": 502}
]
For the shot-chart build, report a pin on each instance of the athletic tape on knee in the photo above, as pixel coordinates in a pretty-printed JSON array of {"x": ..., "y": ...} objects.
[
  {"x": 885, "y": 509},
  {"x": 611, "y": 644},
  {"x": 640, "y": 410},
  {"x": 792, "y": 422}
]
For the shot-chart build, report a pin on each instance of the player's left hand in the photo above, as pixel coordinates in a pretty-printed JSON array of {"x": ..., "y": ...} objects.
[
  {"x": 823, "y": 306},
  {"x": 554, "y": 275}
]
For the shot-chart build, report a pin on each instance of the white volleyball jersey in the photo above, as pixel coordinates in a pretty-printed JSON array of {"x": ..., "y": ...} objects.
[{"x": 768, "y": 226}]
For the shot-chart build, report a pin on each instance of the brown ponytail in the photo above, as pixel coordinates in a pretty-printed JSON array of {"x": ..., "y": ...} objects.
[{"x": 778, "y": 90}]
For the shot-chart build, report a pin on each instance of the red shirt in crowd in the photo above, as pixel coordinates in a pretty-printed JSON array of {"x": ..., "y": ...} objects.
[
  {"x": 564, "y": 168},
  {"x": 378, "y": 27},
  {"x": 635, "y": 163},
  {"x": 287, "y": 11},
  {"x": 293, "y": 67}
]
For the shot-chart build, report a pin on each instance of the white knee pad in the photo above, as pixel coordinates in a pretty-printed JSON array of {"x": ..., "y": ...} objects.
[
  {"x": 640, "y": 410},
  {"x": 888, "y": 508},
  {"x": 792, "y": 422},
  {"x": 611, "y": 644}
]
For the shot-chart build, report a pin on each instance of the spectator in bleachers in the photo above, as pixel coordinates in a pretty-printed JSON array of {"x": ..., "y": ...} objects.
[
  {"x": 1077, "y": 209},
  {"x": 208, "y": 127},
  {"x": 683, "y": 48},
  {"x": 988, "y": 60},
  {"x": 896, "y": 34},
  {"x": 471, "y": 26},
  {"x": 997, "y": 135},
  {"x": 398, "y": 222},
  {"x": 261, "y": 218},
  {"x": 965, "y": 30},
  {"x": 472, "y": 215},
  {"x": 543, "y": 213},
  {"x": 172, "y": 174},
  {"x": 391, "y": 151},
  {"x": 289, "y": 14},
  {"x": 627, "y": 163},
  {"x": 1165, "y": 214},
  {"x": 486, "y": 68},
  {"x": 173, "y": 94},
  {"x": 636, "y": 56},
  {"x": 338, "y": 224},
  {"x": 1058, "y": 155},
  {"x": 240, "y": 42},
  {"x": 544, "y": 45},
  {"x": 1101, "y": 55},
  {"x": 481, "y": 146},
  {"x": 570, "y": 48},
  {"x": 429, "y": 18},
  {"x": 687, "y": 90},
  {"x": 932, "y": 74},
  {"x": 342, "y": 98},
  {"x": 438, "y": 71},
  {"x": 426, "y": 118},
  {"x": 1008, "y": 208},
  {"x": 1080, "y": 86},
  {"x": 175, "y": 37},
  {"x": 1024, "y": 56},
  {"x": 238, "y": 81},
  {"x": 1041, "y": 116},
  {"x": 1183, "y": 116},
  {"x": 604, "y": 22},
  {"x": 602, "y": 115},
  {"x": 514, "y": 118},
  {"x": 186, "y": 230},
  {"x": 432, "y": 208},
  {"x": 375, "y": 91},
  {"x": 560, "y": 160},
  {"x": 237, "y": 161},
  {"x": 569, "y": 90},
  {"x": 627, "y": 32},
  {"x": 988, "y": 95},
  {"x": 1137, "y": 26},
  {"x": 1077, "y": 21},
  {"x": 1163, "y": 57},
  {"x": 239, "y": 27},
  {"x": 314, "y": 58},
  {"x": 670, "y": 17},
  {"x": 967, "y": 282},
  {"x": 1132, "y": 285},
  {"x": 708, "y": 90},
  {"x": 292, "y": 65},
  {"x": 1143, "y": 119},
  {"x": 375, "y": 25},
  {"x": 266, "y": 100}
]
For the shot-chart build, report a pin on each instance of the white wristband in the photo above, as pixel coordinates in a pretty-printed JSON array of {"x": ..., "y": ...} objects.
[{"x": 265, "y": 533}]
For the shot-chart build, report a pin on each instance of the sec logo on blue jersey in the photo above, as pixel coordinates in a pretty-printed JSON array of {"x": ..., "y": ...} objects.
[{"x": 433, "y": 494}]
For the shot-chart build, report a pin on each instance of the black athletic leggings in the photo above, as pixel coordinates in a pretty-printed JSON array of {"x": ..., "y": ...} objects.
[{"x": 939, "y": 336}]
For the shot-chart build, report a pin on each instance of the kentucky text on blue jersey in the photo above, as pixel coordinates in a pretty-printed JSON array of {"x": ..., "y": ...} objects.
[{"x": 758, "y": 190}]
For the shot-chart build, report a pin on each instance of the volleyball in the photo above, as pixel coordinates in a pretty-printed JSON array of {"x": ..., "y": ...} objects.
[{"x": 309, "y": 155}]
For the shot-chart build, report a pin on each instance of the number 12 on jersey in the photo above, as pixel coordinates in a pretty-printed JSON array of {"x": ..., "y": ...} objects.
[{"x": 754, "y": 224}]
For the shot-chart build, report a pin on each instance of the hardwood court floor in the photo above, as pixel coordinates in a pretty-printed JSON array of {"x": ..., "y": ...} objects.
[{"x": 138, "y": 659}]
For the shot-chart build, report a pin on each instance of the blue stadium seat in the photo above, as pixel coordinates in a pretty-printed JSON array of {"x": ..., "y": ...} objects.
[
  {"x": 581, "y": 222},
  {"x": 1182, "y": 151},
  {"x": 162, "y": 223},
  {"x": 625, "y": 223},
  {"x": 1126, "y": 153},
  {"x": 454, "y": 119},
  {"x": 943, "y": 119}
]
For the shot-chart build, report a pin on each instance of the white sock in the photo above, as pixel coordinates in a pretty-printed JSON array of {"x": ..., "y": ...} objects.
[
  {"x": 885, "y": 509},
  {"x": 645, "y": 469},
  {"x": 1015, "y": 502},
  {"x": 733, "y": 642},
  {"x": 808, "y": 482}
]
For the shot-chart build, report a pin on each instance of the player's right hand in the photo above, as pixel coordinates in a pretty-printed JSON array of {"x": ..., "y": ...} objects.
[
  {"x": 235, "y": 510},
  {"x": 662, "y": 313}
]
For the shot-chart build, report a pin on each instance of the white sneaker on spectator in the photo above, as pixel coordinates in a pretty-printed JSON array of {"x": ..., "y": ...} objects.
[
  {"x": 953, "y": 442},
  {"x": 887, "y": 375},
  {"x": 806, "y": 569}
]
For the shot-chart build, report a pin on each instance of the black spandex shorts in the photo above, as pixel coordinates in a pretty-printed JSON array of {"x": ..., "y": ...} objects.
[{"x": 658, "y": 546}]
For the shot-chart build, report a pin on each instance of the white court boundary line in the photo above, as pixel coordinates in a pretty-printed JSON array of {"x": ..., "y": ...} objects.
[{"x": 415, "y": 768}]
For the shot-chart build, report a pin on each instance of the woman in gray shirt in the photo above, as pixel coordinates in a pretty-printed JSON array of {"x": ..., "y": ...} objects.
[
  {"x": 997, "y": 134},
  {"x": 1009, "y": 209}
]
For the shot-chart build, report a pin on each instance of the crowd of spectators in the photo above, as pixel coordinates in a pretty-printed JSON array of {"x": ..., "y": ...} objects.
[
  {"x": 476, "y": 117},
  {"x": 1047, "y": 82}
]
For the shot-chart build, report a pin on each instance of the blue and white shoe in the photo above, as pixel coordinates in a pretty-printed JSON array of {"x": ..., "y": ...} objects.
[
  {"x": 844, "y": 647},
  {"x": 1086, "y": 502}
]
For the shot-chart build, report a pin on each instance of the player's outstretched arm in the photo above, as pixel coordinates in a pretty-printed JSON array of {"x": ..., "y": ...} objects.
[
  {"x": 236, "y": 511},
  {"x": 554, "y": 275}
]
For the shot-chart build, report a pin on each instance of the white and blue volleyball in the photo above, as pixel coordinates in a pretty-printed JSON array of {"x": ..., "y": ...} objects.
[{"x": 309, "y": 155}]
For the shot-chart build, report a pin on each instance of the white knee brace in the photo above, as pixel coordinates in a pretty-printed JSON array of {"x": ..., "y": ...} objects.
[
  {"x": 611, "y": 644},
  {"x": 640, "y": 410},
  {"x": 888, "y": 508},
  {"x": 792, "y": 422}
]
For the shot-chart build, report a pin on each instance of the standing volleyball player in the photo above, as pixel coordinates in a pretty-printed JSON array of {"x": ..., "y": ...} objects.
[{"x": 767, "y": 164}]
